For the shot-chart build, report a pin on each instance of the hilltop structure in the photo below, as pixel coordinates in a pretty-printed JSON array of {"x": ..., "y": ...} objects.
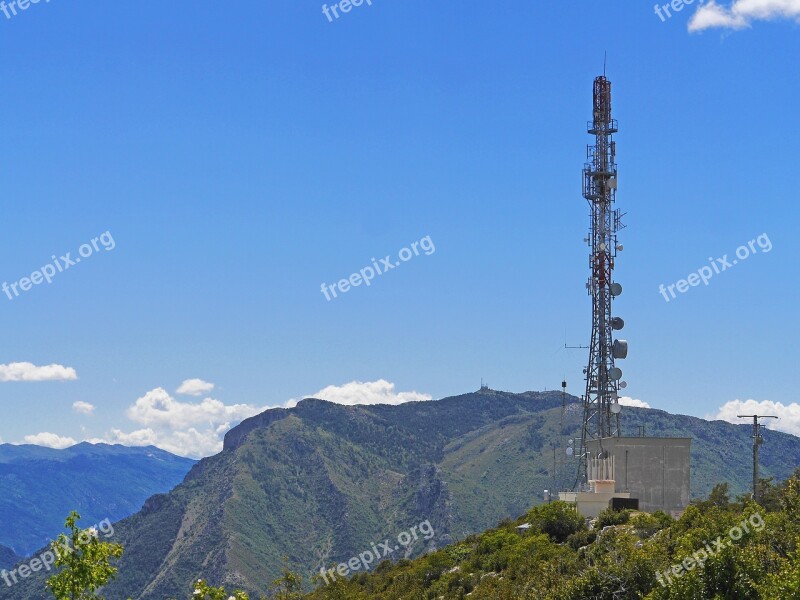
[{"x": 656, "y": 470}]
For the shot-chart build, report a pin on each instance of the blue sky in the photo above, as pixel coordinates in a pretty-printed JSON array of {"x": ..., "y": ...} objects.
[{"x": 242, "y": 155}]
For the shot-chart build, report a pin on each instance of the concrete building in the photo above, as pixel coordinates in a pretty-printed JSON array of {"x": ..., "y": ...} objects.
[{"x": 656, "y": 471}]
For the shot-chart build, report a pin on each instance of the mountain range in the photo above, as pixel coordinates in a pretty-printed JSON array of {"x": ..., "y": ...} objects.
[
  {"x": 8, "y": 558},
  {"x": 319, "y": 483},
  {"x": 40, "y": 486}
]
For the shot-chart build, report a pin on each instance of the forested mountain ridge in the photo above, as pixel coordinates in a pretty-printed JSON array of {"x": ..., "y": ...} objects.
[{"x": 321, "y": 482}]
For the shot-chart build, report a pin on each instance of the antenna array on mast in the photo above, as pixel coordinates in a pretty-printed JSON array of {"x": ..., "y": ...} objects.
[{"x": 600, "y": 402}]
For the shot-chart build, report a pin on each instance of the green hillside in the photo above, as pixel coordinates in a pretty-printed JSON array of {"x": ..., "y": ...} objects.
[{"x": 717, "y": 550}]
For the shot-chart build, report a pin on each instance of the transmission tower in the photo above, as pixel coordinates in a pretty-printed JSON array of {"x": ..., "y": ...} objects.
[{"x": 603, "y": 379}]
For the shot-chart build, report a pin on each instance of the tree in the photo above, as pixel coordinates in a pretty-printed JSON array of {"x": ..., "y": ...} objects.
[
  {"x": 769, "y": 494},
  {"x": 719, "y": 497},
  {"x": 557, "y": 519},
  {"x": 289, "y": 586},
  {"x": 83, "y": 562}
]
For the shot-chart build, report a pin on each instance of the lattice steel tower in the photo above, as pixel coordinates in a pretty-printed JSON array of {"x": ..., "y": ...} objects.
[{"x": 603, "y": 379}]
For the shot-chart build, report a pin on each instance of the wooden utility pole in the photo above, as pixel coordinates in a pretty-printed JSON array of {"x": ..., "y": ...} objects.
[{"x": 758, "y": 439}]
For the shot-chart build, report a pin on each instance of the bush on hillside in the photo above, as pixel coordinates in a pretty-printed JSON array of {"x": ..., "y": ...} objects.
[
  {"x": 557, "y": 519},
  {"x": 612, "y": 517}
]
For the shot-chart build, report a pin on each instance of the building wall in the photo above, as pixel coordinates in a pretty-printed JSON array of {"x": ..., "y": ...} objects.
[{"x": 654, "y": 470}]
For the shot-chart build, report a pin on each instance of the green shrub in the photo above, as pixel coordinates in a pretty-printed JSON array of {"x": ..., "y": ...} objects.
[
  {"x": 582, "y": 538},
  {"x": 612, "y": 517},
  {"x": 559, "y": 520},
  {"x": 459, "y": 552},
  {"x": 647, "y": 525}
]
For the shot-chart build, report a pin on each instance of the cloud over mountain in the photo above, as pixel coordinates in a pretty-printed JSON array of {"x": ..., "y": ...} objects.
[
  {"x": 788, "y": 414},
  {"x": 192, "y": 429},
  {"x": 50, "y": 440},
  {"x": 628, "y": 401},
  {"x": 367, "y": 392}
]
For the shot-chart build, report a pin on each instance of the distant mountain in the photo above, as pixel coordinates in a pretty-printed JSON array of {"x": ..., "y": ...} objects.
[
  {"x": 321, "y": 482},
  {"x": 8, "y": 558},
  {"x": 39, "y": 486}
]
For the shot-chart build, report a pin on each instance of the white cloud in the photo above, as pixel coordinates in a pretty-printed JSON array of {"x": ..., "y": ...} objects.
[
  {"x": 158, "y": 408},
  {"x": 193, "y": 429},
  {"x": 194, "y": 387},
  {"x": 196, "y": 428},
  {"x": 190, "y": 442},
  {"x": 789, "y": 414},
  {"x": 50, "y": 440},
  {"x": 628, "y": 401},
  {"x": 82, "y": 407},
  {"x": 741, "y": 13},
  {"x": 369, "y": 392},
  {"x": 25, "y": 371}
]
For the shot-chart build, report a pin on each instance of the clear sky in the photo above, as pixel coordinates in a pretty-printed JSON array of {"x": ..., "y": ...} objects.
[{"x": 240, "y": 155}]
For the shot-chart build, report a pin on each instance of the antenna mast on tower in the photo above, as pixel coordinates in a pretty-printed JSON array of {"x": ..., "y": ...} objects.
[{"x": 600, "y": 403}]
